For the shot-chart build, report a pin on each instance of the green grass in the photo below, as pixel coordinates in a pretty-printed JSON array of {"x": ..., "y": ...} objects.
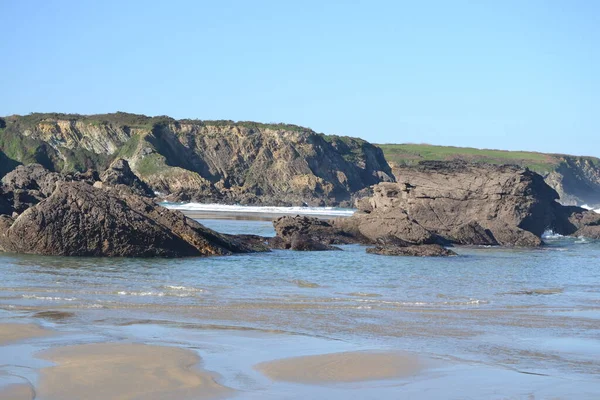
[
  {"x": 410, "y": 154},
  {"x": 151, "y": 164},
  {"x": 129, "y": 147}
]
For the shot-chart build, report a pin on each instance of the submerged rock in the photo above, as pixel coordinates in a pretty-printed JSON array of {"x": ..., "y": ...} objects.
[
  {"x": 424, "y": 250},
  {"x": 80, "y": 220}
]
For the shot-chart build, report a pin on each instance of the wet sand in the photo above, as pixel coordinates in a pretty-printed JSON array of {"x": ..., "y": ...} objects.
[
  {"x": 15, "y": 332},
  {"x": 17, "y": 392},
  {"x": 125, "y": 371},
  {"x": 342, "y": 367}
]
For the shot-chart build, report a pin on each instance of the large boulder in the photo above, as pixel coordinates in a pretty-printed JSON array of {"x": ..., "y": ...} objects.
[
  {"x": 289, "y": 228},
  {"x": 460, "y": 203},
  {"x": 81, "y": 220},
  {"x": 26, "y": 186}
]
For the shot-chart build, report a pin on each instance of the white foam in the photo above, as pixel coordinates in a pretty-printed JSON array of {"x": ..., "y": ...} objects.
[
  {"x": 332, "y": 211},
  {"x": 551, "y": 235},
  {"x": 590, "y": 208}
]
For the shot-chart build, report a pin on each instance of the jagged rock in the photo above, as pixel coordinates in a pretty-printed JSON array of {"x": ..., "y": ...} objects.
[
  {"x": 395, "y": 222},
  {"x": 27, "y": 185},
  {"x": 300, "y": 242},
  {"x": 119, "y": 173},
  {"x": 472, "y": 234},
  {"x": 508, "y": 235},
  {"x": 461, "y": 203},
  {"x": 32, "y": 177},
  {"x": 424, "y": 250},
  {"x": 80, "y": 220},
  {"x": 309, "y": 228}
]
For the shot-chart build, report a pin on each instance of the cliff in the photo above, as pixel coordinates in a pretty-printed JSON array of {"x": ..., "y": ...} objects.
[
  {"x": 576, "y": 179},
  {"x": 191, "y": 160}
]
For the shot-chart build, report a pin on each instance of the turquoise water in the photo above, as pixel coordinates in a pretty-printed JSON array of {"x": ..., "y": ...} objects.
[{"x": 526, "y": 311}]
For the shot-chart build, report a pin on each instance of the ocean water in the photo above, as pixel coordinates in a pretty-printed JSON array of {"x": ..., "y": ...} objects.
[{"x": 520, "y": 322}]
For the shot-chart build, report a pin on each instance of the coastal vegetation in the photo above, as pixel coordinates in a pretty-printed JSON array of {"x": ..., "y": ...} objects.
[{"x": 411, "y": 154}]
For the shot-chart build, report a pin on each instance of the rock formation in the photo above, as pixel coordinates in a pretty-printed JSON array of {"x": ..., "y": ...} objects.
[
  {"x": 451, "y": 203},
  {"x": 80, "y": 220},
  {"x": 119, "y": 173},
  {"x": 216, "y": 161},
  {"x": 461, "y": 203},
  {"x": 576, "y": 179}
]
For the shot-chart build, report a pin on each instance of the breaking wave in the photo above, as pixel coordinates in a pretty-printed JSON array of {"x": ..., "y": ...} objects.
[
  {"x": 590, "y": 208},
  {"x": 329, "y": 211}
]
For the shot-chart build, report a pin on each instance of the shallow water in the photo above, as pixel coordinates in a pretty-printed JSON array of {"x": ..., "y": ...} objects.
[{"x": 526, "y": 321}]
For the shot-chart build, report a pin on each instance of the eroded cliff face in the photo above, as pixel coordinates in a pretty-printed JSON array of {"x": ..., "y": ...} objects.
[
  {"x": 577, "y": 181},
  {"x": 220, "y": 161}
]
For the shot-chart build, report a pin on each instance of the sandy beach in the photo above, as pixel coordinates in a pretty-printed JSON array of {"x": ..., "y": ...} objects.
[
  {"x": 17, "y": 392},
  {"x": 125, "y": 371},
  {"x": 342, "y": 367}
]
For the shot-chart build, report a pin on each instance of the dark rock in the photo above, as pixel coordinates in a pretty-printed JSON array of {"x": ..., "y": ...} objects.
[
  {"x": 461, "y": 203},
  {"x": 317, "y": 230},
  {"x": 472, "y": 234},
  {"x": 54, "y": 315},
  {"x": 119, "y": 173},
  {"x": 301, "y": 242},
  {"x": 508, "y": 235},
  {"x": 80, "y": 220},
  {"x": 5, "y": 204},
  {"x": 32, "y": 177},
  {"x": 26, "y": 186},
  {"x": 424, "y": 250}
]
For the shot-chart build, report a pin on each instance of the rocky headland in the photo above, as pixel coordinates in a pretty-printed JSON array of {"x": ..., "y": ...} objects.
[
  {"x": 204, "y": 161},
  {"x": 450, "y": 203},
  {"x": 576, "y": 179}
]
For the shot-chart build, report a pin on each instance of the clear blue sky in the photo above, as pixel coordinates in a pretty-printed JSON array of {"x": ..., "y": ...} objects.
[{"x": 521, "y": 74}]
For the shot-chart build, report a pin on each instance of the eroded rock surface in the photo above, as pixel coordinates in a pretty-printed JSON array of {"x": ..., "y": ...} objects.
[
  {"x": 119, "y": 173},
  {"x": 309, "y": 233},
  {"x": 460, "y": 203},
  {"x": 80, "y": 220}
]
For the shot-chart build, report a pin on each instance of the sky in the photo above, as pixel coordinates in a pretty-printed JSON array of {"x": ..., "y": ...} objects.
[{"x": 510, "y": 74}]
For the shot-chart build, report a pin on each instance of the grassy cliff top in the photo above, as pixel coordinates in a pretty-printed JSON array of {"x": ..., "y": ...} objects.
[
  {"x": 140, "y": 121},
  {"x": 410, "y": 154}
]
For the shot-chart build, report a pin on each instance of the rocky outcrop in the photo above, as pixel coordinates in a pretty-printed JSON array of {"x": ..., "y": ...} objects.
[
  {"x": 80, "y": 220},
  {"x": 26, "y": 186},
  {"x": 461, "y": 203},
  {"x": 218, "y": 161},
  {"x": 576, "y": 180},
  {"x": 119, "y": 173},
  {"x": 578, "y": 222},
  {"x": 425, "y": 250}
]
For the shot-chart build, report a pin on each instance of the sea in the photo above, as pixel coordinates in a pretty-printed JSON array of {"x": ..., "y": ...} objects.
[{"x": 499, "y": 323}]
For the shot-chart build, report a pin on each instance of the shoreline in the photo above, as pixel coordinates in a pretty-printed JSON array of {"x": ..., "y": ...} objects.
[{"x": 156, "y": 362}]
